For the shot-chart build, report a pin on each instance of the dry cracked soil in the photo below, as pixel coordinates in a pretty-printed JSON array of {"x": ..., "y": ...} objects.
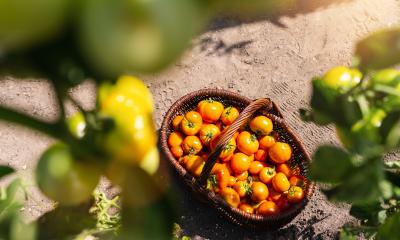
[{"x": 256, "y": 59}]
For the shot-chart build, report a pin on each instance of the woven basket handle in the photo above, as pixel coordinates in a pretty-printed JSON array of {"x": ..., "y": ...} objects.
[{"x": 228, "y": 133}]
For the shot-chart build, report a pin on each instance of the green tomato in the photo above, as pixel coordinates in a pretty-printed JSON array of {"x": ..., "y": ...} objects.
[
  {"x": 25, "y": 23},
  {"x": 368, "y": 128},
  {"x": 387, "y": 76},
  {"x": 136, "y": 35},
  {"x": 341, "y": 78},
  {"x": 77, "y": 125},
  {"x": 63, "y": 179}
]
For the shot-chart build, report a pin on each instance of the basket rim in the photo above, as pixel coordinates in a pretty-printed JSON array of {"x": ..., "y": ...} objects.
[{"x": 293, "y": 211}]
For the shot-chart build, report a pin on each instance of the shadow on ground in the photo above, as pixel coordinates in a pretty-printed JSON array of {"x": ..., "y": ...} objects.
[{"x": 301, "y": 7}]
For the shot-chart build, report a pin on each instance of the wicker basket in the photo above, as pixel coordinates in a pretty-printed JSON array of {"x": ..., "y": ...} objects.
[{"x": 247, "y": 107}]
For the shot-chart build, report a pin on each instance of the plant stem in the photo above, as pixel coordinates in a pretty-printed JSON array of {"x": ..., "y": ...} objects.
[{"x": 10, "y": 115}]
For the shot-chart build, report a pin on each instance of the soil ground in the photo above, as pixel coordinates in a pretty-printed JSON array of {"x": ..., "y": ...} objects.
[{"x": 258, "y": 59}]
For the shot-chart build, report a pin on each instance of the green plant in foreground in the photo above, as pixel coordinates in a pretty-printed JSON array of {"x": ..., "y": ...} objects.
[{"x": 364, "y": 107}]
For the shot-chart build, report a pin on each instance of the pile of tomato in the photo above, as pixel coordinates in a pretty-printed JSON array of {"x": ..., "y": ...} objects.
[{"x": 253, "y": 172}]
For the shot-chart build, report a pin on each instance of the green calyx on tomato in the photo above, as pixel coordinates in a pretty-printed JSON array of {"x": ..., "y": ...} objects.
[
  {"x": 129, "y": 104},
  {"x": 64, "y": 179}
]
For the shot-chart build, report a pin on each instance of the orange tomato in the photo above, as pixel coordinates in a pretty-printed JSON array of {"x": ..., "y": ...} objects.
[
  {"x": 296, "y": 181},
  {"x": 256, "y": 167},
  {"x": 230, "y": 196},
  {"x": 210, "y": 110},
  {"x": 280, "y": 182},
  {"x": 266, "y": 174},
  {"x": 231, "y": 181},
  {"x": 191, "y": 145},
  {"x": 247, "y": 143},
  {"x": 242, "y": 188},
  {"x": 280, "y": 152},
  {"x": 261, "y": 125},
  {"x": 191, "y": 123},
  {"x": 243, "y": 176},
  {"x": 259, "y": 191},
  {"x": 295, "y": 194},
  {"x": 208, "y": 132},
  {"x": 175, "y": 139},
  {"x": 251, "y": 157},
  {"x": 285, "y": 169},
  {"x": 227, "y": 153},
  {"x": 260, "y": 155},
  {"x": 195, "y": 165},
  {"x": 266, "y": 142},
  {"x": 273, "y": 195},
  {"x": 247, "y": 208},
  {"x": 240, "y": 163},
  {"x": 183, "y": 160},
  {"x": 229, "y": 115},
  {"x": 222, "y": 176},
  {"x": 177, "y": 151},
  {"x": 176, "y": 123},
  {"x": 268, "y": 208}
]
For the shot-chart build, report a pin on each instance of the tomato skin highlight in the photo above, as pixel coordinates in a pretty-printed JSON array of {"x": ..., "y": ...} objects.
[
  {"x": 280, "y": 152},
  {"x": 230, "y": 196},
  {"x": 208, "y": 132},
  {"x": 247, "y": 143},
  {"x": 268, "y": 208},
  {"x": 229, "y": 115},
  {"x": 295, "y": 194},
  {"x": 240, "y": 163},
  {"x": 266, "y": 174},
  {"x": 176, "y": 122},
  {"x": 261, "y": 125},
  {"x": 266, "y": 142},
  {"x": 191, "y": 145},
  {"x": 191, "y": 123},
  {"x": 175, "y": 139},
  {"x": 259, "y": 191},
  {"x": 210, "y": 110},
  {"x": 280, "y": 182}
]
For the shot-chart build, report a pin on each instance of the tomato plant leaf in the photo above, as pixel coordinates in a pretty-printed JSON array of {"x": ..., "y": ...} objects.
[
  {"x": 390, "y": 130},
  {"x": 330, "y": 164},
  {"x": 361, "y": 185},
  {"x": 390, "y": 230},
  {"x": 366, "y": 211},
  {"x": 65, "y": 222},
  {"x": 380, "y": 49},
  {"x": 5, "y": 170}
]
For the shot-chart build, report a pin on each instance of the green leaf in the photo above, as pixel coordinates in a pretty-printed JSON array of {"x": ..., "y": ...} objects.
[
  {"x": 379, "y": 50},
  {"x": 147, "y": 211},
  {"x": 366, "y": 211},
  {"x": 330, "y": 164},
  {"x": 65, "y": 222},
  {"x": 5, "y": 170},
  {"x": 390, "y": 230},
  {"x": 361, "y": 185},
  {"x": 21, "y": 230},
  {"x": 347, "y": 235},
  {"x": 390, "y": 130},
  {"x": 10, "y": 200}
]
